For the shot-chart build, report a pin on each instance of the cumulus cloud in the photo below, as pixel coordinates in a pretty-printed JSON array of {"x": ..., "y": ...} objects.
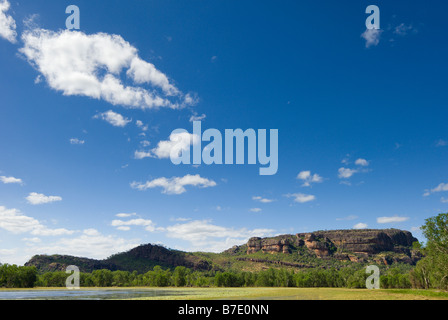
[
  {"x": 80, "y": 64},
  {"x": 309, "y": 178},
  {"x": 360, "y": 225},
  {"x": 206, "y": 236},
  {"x": 14, "y": 221},
  {"x": 39, "y": 198},
  {"x": 9, "y": 180},
  {"x": 177, "y": 144},
  {"x": 395, "y": 219},
  {"x": 175, "y": 185},
  {"x": 362, "y": 162},
  {"x": 345, "y": 173},
  {"x": 372, "y": 37},
  {"x": 255, "y": 210},
  {"x": 301, "y": 198},
  {"x": 7, "y": 23},
  {"x": 115, "y": 119}
]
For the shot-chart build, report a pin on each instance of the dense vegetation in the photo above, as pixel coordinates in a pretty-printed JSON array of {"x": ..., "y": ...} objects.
[
  {"x": 27, "y": 277},
  {"x": 430, "y": 273}
]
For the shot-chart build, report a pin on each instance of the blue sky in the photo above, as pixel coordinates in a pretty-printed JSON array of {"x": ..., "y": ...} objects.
[{"x": 362, "y": 121}]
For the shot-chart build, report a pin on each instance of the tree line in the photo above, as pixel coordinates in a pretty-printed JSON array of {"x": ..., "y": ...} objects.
[
  {"x": 430, "y": 273},
  {"x": 28, "y": 277}
]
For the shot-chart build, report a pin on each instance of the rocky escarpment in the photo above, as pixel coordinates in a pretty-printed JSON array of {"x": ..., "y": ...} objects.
[{"x": 382, "y": 246}]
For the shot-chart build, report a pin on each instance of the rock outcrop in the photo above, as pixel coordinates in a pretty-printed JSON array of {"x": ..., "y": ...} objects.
[
  {"x": 269, "y": 245},
  {"x": 344, "y": 245}
]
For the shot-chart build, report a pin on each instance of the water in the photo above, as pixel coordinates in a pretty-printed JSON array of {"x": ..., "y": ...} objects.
[{"x": 93, "y": 294}]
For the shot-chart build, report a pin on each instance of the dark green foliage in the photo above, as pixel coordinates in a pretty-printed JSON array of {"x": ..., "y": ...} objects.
[
  {"x": 12, "y": 276},
  {"x": 432, "y": 271}
]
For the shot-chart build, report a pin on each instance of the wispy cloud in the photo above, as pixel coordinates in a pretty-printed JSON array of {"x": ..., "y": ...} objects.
[
  {"x": 77, "y": 141},
  {"x": 440, "y": 188},
  {"x": 395, "y": 219},
  {"x": 196, "y": 117},
  {"x": 441, "y": 143},
  {"x": 301, "y": 198},
  {"x": 348, "y": 218},
  {"x": 125, "y": 225},
  {"x": 255, "y": 210},
  {"x": 262, "y": 200},
  {"x": 372, "y": 37}
]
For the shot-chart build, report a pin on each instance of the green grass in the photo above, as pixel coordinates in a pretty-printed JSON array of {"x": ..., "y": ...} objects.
[
  {"x": 275, "y": 293},
  {"x": 300, "y": 294}
]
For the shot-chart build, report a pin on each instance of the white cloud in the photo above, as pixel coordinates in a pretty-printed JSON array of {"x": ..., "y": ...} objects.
[
  {"x": 32, "y": 240},
  {"x": 403, "y": 29},
  {"x": 440, "y": 188},
  {"x": 8, "y": 180},
  {"x": 175, "y": 185},
  {"x": 362, "y": 162},
  {"x": 77, "y": 141},
  {"x": 391, "y": 219},
  {"x": 196, "y": 117},
  {"x": 205, "y": 236},
  {"x": 76, "y": 63},
  {"x": 262, "y": 200},
  {"x": 360, "y": 225},
  {"x": 309, "y": 178},
  {"x": 115, "y": 119},
  {"x": 147, "y": 224},
  {"x": 179, "y": 142},
  {"x": 301, "y": 198},
  {"x": 141, "y": 125},
  {"x": 255, "y": 210},
  {"x": 7, "y": 23},
  {"x": 92, "y": 245},
  {"x": 444, "y": 200},
  {"x": 14, "y": 221},
  {"x": 145, "y": 143},
  {"x": 345, "y": 173},
  {"x": 91, "y": 232},
  {"x": 125, "y": 215},
  {"x": 38, "y": 198},
  {"x": 372, "y": 37},
  {"x": 139, "y": 155}
]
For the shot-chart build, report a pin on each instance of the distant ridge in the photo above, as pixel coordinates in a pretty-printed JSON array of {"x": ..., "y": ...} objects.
[{"x": 323, "y": 249}]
